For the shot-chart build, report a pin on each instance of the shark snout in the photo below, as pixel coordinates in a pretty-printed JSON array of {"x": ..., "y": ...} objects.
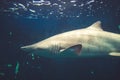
[
  {"x": 29, "y": 48},
  {"x": 24, "y": 48}
]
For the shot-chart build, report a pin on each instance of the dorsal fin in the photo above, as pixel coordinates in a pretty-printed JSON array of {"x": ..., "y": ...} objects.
[{"x": 96, "y": 26}]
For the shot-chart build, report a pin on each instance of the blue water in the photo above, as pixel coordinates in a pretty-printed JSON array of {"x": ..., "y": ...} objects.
[{"x": 25, "y": 22}]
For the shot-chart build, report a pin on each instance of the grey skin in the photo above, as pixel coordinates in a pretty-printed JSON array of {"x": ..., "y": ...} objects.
[{"x": 90, "y": 41}]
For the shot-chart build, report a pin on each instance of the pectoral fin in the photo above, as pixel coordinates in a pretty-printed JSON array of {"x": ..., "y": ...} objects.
[
  {"x": 76, "y": 48},
  {"x": 114, "y": 54},
  {"x": 62, "y": 50}
]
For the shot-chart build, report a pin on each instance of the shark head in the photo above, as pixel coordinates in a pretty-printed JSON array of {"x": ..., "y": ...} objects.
[
  {"x": 53, "y": 49},
  {"x": 37, "y": 49}
]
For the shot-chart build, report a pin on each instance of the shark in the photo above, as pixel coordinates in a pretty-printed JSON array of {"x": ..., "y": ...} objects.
[{"x": 89, "y": 41}]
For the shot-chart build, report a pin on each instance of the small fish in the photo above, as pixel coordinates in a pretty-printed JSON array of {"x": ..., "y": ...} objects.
[
  {"x": 23, "y": 7},
  {"x": 119, "y": 26},
  {"x": 17, "y": 69},
  {"x": 2, "y": 74},
  {"x": 41, "y": 2},
  {"x": 31, "y": 10},
  {"x": 89, "y": 2}
]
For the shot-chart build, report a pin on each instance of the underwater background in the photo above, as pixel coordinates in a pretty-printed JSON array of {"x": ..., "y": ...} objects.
[{"x": 24, "y": 22}]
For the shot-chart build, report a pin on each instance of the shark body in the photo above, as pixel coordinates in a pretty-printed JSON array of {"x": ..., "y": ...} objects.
[{"x": 90, "y": 41}]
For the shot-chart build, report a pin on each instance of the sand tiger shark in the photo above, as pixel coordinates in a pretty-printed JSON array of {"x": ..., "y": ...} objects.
[{"x": 90, "y": 41}]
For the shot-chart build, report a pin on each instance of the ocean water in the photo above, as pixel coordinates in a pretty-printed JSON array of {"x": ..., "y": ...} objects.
[{"x": 24, "y": 22}]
